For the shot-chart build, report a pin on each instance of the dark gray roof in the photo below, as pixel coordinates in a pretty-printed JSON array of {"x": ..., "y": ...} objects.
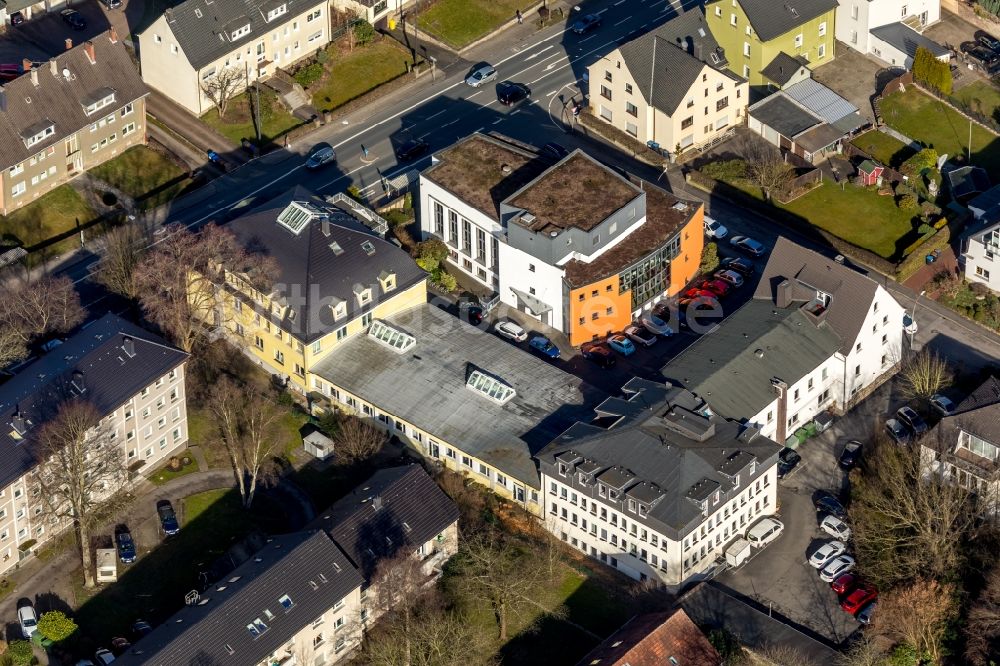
[
  {"x": 110, "y": 377},
  {"x": 426, "y": 387},
  {"x": 906, "y": 39},
  {"x": 395, "y": 507},
  {"x": 313, "y": 276},
  {"x": 215, "y": 632},
  {"x": 202, "y": 27},
  {"x": 782, "y": 68},
  {"x": 666, "y": 61},
  {"x": 59, "y": 101},
  {"x": 731, "y": 368},
  {"x": 987, "y": 199},
  {"x": 851, "y": 292},
  {"x": 783, "y": 115},
  {"x": 978, "y": 414},
  {"x": 970, "y": 180},
  {"x": 652, "y": 449},
  {"x": 773, "y": 18}
]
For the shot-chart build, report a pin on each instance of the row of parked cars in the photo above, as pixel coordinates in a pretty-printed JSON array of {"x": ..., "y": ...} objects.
[
  {"x": 908, "y": 424},
  {"x": 833, "y": 561}
]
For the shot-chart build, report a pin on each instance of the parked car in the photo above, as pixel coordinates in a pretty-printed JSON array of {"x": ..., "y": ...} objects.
[
  {"x": 587, "y": 23},
  {"x": 168, "y": 519},
  {"x": 715, "y": 229},
  {"x": 510, "y": 330},
  {"x": 480, "y": 74},
  {"x": 748, "y": 245},
  {"x": 554, "y": 151},
  {"x": 125, "y": 545},
  {"x": 909, "y": 416},
  {"x": 741, "y": 265},
  {"x": 543, "y": 346},
  {"x": 599, "y": 354},
  {"x": 717, "y": 287},
  {"x": 112, "y": 4},
  {"x": 28, "y": 620},
  {"x": 942, "y": 404},
  {"x": 511, "y": 94},
  {"x": 119, "y": 645},
  {"x": 639, "y": 335},
  {"x": 621, "y": 344},
  {"x": 851, "y": 454},
  {"x": 696, "y": 292},
  {"x": 73, "y": 19},
  {"x": 825, "y": 553},
  {"x": 988, "y": 40},
  {"x": 103, "y": 657},
  {"x": 909, "y": 326},
  {"x": 411, "y": 149},
  {"x": 52, "y": 344},
  {"x": 320, "y": 155},
  {"x": 836, "y": 528},
  {"x": 858, "y": 598},
  {"x": 654, "y": 324},
  {"x": 835, "y": 567},
  {"x": 787, "y": 460},
  {"x": 472, "y": 313},
  {"x": 141, "y": 628},
  {"x": 827, "y": 504},
  {"x": 844, "y": 583},
  {"x": 765, "y": 531},
  {"x": 732, "y": 277},
  {"x": 985, "y": 58},
  {"x": 864, "y": 615},
  {"x": 17, "y": 18},
  {"x": 897, "y": 431}
]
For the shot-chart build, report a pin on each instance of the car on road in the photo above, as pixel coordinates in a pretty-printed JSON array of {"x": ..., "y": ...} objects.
[
  {"x": 543, "y": 346},
  {"x": 599, "y": 354},
  {"x": 73, "y": 19},
  {"x": 717, "y": 287},
  {"x": 851, "y": 454},
  {"x": 858, "y": 598},
  {"x": 112, "y": 4},
  {"x": 844, "y": 583},
  {"x": 731, "y": 277},
  {"x": 942, "y": 404},
  {"x": 103, "y": 657},
  {"x": 28, "y": 620},
  {"x": 827, "y": 504},
  {"x": 765, "y": 531},
  {"x": 480, "y": 74},
  {"x": 836, "y": 528},
  {"x": 864, "y": 615},
  {"x": 740, "y": 265},
  {"x": 640, "y": 335},
  {"x": 909, "y": 326},
  {"x": 125, "y": 545},
  {"x": 621, "y": 344},
  {"x": 825, "y": 553},
  {"x": 897, "y": 431},
  {"x": 587, "y": 23},
  {"x": 787, "y": 460},
  {"x": 511, "y": 94},
  {"x": 510, "y": 330},
  {"x": 320, "y": 155},
  {"x": 835, "y": 567},
  {"x": 654, "y": 324},
  {"x": 411, "y": 149},
  {"x": 909, "y": 416},
  {"x": 748, "y": 245},
  {"x": 715, "y": 229},
  {"x": 168, "y": 519},
  {"x": 554, "y": 151},
  {"x": 141, "y": 628}
]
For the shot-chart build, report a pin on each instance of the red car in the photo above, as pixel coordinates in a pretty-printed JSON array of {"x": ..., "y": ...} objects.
[
  {"x": 860, "y": 597},
  {"x": 717, "y": 287},
  {"x": 696, "y": 292},
  {"x": 844, "y": 583}
]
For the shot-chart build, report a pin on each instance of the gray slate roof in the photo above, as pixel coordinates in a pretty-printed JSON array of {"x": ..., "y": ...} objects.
[
  {"x": 978, "y": 414},
  {"x": 411, "y": 510},
  {"x": 987, "y": 199},
  {"x": 426, "y": 387},
  {"x": 312, "y": 275},
  {"x": 783, "y": 115},
  {"x": 56, "y": 100},
  {"x": 288, "y": 565},
  {"x": 906, "y": 39},
  {"x": 970, "y": 180},
  {"x": 109, "y": 376},
  {"x": 666, "y": 61},
  {"x": 665, "y": 451},
  {"x": 820, "y": 100},
  {"x": 202, "y": 27},
  {"x": 773, "y": 18},
  {"x": 782, "y": 68}
]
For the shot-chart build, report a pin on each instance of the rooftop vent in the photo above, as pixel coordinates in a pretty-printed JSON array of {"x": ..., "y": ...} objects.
[
  {"x": 505, "y": 168},
  {"x": 376, "y": 502},
  {"x": 128, "y": 346},
  {"x": 759, "y": 353}
]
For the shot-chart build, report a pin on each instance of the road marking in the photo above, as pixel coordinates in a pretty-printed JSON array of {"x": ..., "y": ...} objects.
[
  {"x": 538, "y": 53},
  {"x": 602, "y": 11},
  {"x": 620, "y": 2},
  {"x": 587, "y": 39},
  {"x": 497, "y": 121},
  {"x": 550, "y": 94},
  {"x": 436, "y": 114},
  {"x": 624, "y": 20}
]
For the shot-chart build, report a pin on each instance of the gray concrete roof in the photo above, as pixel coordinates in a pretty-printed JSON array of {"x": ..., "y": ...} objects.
[
  {"x": 820, "y": 100},
  {"x": 426, "y": 387},
  {"x": 782, "y": 68},
  {"x": 783, "y": 115},
  {"x": 773, "y": 18},
  {"x": 906, "y": 39}
]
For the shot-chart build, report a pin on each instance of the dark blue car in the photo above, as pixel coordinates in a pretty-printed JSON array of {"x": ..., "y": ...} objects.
[
  {"x": 125, "y": 545},
  {"x": 168, "y": 519},
  {"x": 542, "y": 345}
]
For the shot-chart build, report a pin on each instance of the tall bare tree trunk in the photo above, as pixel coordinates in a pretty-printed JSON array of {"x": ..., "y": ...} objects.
[
  {"x": 500, "y": 609},
  {"x": 83, "y": 538},
  {"x": 248, "y": 498}
]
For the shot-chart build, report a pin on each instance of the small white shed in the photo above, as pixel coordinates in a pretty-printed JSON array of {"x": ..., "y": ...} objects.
[
  {"x": 107, "y": 565},
  {"x": 316, "y": 443}
]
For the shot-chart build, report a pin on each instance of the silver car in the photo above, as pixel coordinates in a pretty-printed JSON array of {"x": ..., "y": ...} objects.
[
  {"x": 483, "y": 73},
  {"x": 839, "y": 565},
  {"x": 640, "y": 335},
  {"x": 510, "y": 330},
  {"x": 732, "y": 277}
]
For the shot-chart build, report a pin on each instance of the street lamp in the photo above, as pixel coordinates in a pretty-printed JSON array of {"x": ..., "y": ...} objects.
[{"x": 913, "y": 317}]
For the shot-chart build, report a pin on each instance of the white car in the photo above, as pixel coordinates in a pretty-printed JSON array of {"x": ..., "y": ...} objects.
[
  {"x": 715, "y": 229},
  {"x": 826, "y": 553},
  {"x": 511, "y": 331},
  {"x": 28, "y": 621},
  {"x": 839, "y": 565},
  {"x": 942, "y": 404},
  {"x": 640, "y": 335},
  {"x": 732, "y": 277},
  {"x": 909, "y": 326},
  {"x": 836, "y": 528},
  {"x": 654, "y": 324}
]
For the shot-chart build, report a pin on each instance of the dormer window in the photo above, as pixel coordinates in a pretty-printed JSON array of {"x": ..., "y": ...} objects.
[
  {"x": 239, "y": 32},
  {"x": 562, "y": 469},
  {"x": 601, "y": 490},
  {"x": 364, "y": 295},
  {"x": 339, "y": 310},
  {"x": 38, "y": 133},
  {"x": 631, "y": 505},
  {"x": 276, "y": 12},
  {"x": 387, "y": 280},
  {"x": 105, "y": 97},
  {"x": 643, "y": 511},
  {"x": 715, "y": 498},
  {"x": 584, "y": 479}
]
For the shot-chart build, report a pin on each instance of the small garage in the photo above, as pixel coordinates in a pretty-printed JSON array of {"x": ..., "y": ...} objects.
[{"x": 315, "y": 443}]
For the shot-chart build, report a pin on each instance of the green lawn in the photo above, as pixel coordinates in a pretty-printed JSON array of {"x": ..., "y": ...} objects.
[
  {"x": 238, "y": 121},
  {"x": 143, "y": 172},
  {"x": 56, "y": 212},
  {"x": 884, "y": 148},
  {"x": 165, "y": 474},
  {"x": 353, "y": 73},
  {"x": 935, "y": 124},
  {"x": 981, "y": 97},
  {"x": 461, "y": 22}
]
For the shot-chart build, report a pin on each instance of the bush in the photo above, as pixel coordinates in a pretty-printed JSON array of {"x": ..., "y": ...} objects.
[
  {"x": 444, "y": 280},
  {"x": 355, "y": 193},
  {"x": 310, "y": 74},
  {"x": 710, "y": 258},
  {"x": 923, "y": 160},
  {"x": 364, "y": 33},
  {"x": 55, "y": 626},
  {"x": 925, "y": 229},
  {"x": 432, "y": 249},
  {"x": 907, "y": 202},
  {"x": 728, "y": 171},
  {"x": 322, "y": 56},
  {"x": 427, "y": 264},
  {"x": 20, "y": 653},
  {"x": 940, "y": 223}
]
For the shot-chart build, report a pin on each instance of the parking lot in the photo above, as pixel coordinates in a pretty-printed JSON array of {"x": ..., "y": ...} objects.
[
  {"x": 45, "y": 35},
  {"x": 852, "y": 75}
]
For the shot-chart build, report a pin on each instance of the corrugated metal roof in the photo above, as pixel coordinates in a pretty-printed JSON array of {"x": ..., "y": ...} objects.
[{"x": 819, "y": 99}]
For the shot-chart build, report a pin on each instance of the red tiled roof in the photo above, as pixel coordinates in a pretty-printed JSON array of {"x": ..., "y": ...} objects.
[{"x": 651, "y": 640}]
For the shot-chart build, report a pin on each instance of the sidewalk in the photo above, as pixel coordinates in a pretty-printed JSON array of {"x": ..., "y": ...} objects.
[{"x": 200, "y": 135}]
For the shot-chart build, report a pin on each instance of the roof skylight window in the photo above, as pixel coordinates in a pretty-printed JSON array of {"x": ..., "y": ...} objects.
[
  {"x": 391, "y": 337},
  {"x": 494, "y": 389},
  {"x": 297, "y": 215}
]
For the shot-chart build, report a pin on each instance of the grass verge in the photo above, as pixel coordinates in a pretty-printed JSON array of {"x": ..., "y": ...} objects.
[
  {"x": 57, "y": 212},
  {"x": 144, "y": 174},
  {"x": 458, "y": 23},
  {"x": 165, "y": 474},
  {"x": 238, "y": 122},
  {"x": 351, "y": 74}
]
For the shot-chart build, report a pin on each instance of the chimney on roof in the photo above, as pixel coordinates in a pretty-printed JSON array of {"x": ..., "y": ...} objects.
[
  {"x": 19, "y": 423},
  {"x": 34, "y": 75},
  {"x": 376, "y": 503},
  {"x": 128, "y": 346},
  {"x": 113, "y": 35},
  {"x": 88, "y": 48},
  {"x": 3, "y": 99},
  {"x": 69, "y": 43},
  {"x": 325, "y": 225},
  {"x": 689, "y": 44},
  {"x": 54, "y": 68},
  {"x": 78, "y": 381},
  {"x": 783, "y": 294}
]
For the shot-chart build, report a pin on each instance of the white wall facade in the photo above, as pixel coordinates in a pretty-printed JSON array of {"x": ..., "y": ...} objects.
[
  {"x": 855, "y": 18},
  {"x": 980, "y": 257},
  {"x": 536, "y": 278}
]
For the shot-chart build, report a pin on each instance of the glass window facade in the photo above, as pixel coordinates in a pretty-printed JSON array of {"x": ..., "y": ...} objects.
[{"x": 650, "y": 276}]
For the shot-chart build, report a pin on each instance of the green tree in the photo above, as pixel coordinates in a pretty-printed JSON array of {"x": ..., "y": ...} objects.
[
  {"x": 364, "y": 33},
  {"x": 445, "y": 280},
  {"x": 710, "y": 258},
  {"x": 432, "y": 249},
  {"x": 20, "y": 653},
  {"x": 55, "y": 626},
  {"x": 925, "y": 159}
]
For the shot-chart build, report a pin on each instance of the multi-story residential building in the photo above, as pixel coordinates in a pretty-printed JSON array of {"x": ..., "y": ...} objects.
[
  {"x": 335, "y": 277},
  {"x": 662, "y": 491},
  {"x": 670, "y": 85},
  {"x": 372, "y": 11},
  {"x": 308, "y": 597},
  {"x": 197, "y": 42},
  {"x": 981, "y": 243},
  {"x": 80, "y": 109},
  {"x": 655, "y": 639},
  {"x": 461, "y": 397},
  {"x": 888, "y": 29},
  {"x": 816, "y": 336},
  {"x": 132, "y": 377},
  {"x": 755, "y": 32},
  {"x": 574, "y": 244}
]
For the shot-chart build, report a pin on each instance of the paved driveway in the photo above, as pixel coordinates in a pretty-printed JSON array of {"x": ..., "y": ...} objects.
[{"x": 852, "y": 76}]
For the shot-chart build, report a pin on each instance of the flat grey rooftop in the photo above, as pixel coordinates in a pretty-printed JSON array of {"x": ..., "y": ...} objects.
[{"x": 783, "y": 115}]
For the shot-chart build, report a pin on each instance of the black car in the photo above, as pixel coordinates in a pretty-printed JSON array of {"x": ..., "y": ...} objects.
[
  {"x": 587, "y": 23},
  {"x": 473, "y": 314},
  {"x": 851, "y": 454},
  {"x": 17, "y": 18},
  {"x": 987, "y": 59},
  {"x": 740, "y": 265},
  {"x": 319, "y": 155},
  {"x": 125, "y": 545},
  {"x": 554, "y": 151},
  {"x": 826, "y": 503},
  {"x": 988, "y": 40},
  {"x": 787, "y": 460},
  {"x": 141, "y": 628},
  {"x": 119, "y": 646},
  {"x": 909, "y": 416},
  {"x": 510, "y": 94},
  {"x": 73, "y": 19},
  {"x": 168, "y": 519},
  {"x": 411, "y": 150},
  {"x": 599, "y": 354}
]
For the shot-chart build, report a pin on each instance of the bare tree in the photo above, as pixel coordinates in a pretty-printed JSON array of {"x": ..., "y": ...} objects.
[
  {"x": 773, "y": 654},
  {"x": 866, "y": 650},
  {"x": 80, "y": 474},
  {"x": 765, "y": 166},
  {"x": 357, "y": 440},
  {"x": 982, "y": 631},
  {"x": 12, "y": 345},
  {"x": 124, "y": 247},
  {"x": 924, "y": 375},
  {"x": 917, "y": 614},
  {"x": 35, "y": 309},
  {"x": 246, "y": 420},
  {"x": 222, "y": 86},
  {"x": 398, "y": 587}
]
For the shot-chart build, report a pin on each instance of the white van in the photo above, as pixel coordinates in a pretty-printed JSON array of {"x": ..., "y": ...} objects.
[{"x": 764, "y": 532}]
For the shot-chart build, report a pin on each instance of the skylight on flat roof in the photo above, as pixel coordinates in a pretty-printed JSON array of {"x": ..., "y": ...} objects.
[
  {"x": 390, "y": 337},
  {"x": 297, "y": 215},
  {"x": 491, "y": 387},
  {"x": 368, "y": 247}
]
